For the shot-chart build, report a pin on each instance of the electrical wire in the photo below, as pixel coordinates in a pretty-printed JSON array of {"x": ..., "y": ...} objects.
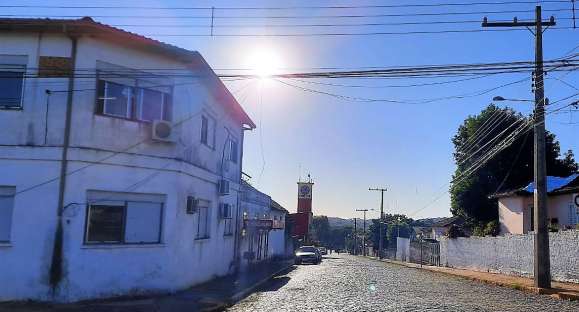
[
  {"x": 407, "y": 5},
  {"x": 333, "y": 16}
]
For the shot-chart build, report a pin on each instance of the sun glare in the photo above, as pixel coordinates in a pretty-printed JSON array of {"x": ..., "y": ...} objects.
[{"x": 264, "y": 63}]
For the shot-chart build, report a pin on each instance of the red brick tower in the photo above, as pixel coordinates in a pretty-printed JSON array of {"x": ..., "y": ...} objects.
[{"x": 304, "y": 215}]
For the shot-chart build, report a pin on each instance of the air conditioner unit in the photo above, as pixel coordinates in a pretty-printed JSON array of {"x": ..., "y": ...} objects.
[
  {"x": 162, "y": 131},
  {"x": 223, "y": 187},
  {"x": 192, "y": 205},
  {"x": 225, "y": 211}
]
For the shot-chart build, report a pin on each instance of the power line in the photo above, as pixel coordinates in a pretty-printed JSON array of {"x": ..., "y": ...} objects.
[
  {"x": 334, "y": 16},
  {"x": 409, "y": 5}
]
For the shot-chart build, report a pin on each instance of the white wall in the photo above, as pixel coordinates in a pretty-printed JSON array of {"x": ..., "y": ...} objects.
[
  {"x": 277, "y": 237},
  {"x": 512, "y": 254},
  {"x": 511, "y": 215},
  {"x": 402, "y": 249},
  {"x": 176, "y": 171}
]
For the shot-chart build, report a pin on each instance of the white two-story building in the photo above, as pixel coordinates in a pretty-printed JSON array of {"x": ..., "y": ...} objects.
[{"x": 120, "y": 163}]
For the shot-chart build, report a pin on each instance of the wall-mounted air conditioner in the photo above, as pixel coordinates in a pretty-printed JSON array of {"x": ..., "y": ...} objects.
[
  {"x": 223, "y": 187},
  {"x": 162, "y": 131}
]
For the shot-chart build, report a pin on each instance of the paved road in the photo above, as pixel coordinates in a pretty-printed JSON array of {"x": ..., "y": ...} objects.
[{"x": 348, "y": 283}]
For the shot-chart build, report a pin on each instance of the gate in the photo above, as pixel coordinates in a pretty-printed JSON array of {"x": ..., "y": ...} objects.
[{"x": 426, "y": 252}]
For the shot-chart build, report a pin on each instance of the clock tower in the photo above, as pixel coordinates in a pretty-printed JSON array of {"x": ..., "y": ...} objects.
[{"x": 304, "y": 215}]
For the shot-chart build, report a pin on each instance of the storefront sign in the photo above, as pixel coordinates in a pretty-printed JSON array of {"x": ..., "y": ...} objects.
[{"x": 262, "y": 224}]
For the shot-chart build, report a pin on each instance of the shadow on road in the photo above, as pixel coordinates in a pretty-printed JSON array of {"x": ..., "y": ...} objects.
[{"x": 275, "y": 284}]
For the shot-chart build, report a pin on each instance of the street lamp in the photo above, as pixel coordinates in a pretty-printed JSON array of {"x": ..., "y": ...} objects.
[{"x": 499, "y": 98}]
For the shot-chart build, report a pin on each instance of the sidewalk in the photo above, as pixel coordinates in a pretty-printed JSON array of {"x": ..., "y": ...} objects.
[
  {"x": 214, "y": 295},
  {"x": 559, "y": 290}
]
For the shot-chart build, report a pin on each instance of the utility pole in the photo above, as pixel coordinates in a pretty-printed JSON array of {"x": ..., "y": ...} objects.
[
  {"x": 364, "y": 233},
  {"x": 541, "y": 247},
  {"x": 355, "y": 237},
  {"x": 381, "y": 190}
]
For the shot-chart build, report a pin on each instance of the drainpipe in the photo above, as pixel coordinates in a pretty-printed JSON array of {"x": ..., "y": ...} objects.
[{"x": 56, "y": 265}]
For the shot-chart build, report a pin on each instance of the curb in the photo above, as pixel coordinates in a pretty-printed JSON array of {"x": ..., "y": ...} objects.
[
  {"x": 554, "y": 293},
  {"x": 243, "y": 293}
]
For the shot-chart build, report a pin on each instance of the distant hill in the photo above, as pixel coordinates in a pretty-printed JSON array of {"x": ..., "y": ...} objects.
[
  {"x": 427, "y": 221},
  {"x": 339, "y": 222}
]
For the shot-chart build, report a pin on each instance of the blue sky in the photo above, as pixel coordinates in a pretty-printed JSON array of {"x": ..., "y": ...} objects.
[{"x": 348, "y": 146}]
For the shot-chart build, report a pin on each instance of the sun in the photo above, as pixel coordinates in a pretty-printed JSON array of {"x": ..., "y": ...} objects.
[{"x": 264, "y": 63}]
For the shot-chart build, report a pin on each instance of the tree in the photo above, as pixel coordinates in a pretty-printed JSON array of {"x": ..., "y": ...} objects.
[
  {"x": 510, "y": 168},
  {"x": 393, "y": 226},
  {"x": 320, "y": 229},
  {"x": 569, "y": 161}
]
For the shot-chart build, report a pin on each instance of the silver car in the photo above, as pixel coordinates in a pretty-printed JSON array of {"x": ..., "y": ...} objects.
[{"x": 308, "y": 254}]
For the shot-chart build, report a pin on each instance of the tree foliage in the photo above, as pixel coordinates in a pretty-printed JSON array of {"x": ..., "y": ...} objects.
[
  {"x": 394, "y": 226},
  {"x": 511, "y": 168},
  {"x": 331, "y": 237}
]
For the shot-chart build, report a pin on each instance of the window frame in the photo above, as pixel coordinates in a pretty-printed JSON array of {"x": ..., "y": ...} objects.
[
  {"x": 10, "y": 194},
  {"x": 231, "y": 142},
  {"x": 19, "y": 69},
  {"x": 207, "y": 233},
  {"x": 210, "y": 133},
  {"x": 132, "y": 107},
  {"x": 123, "y": 241},
  {"x": 228, "y": 227},
  {"x": 138, "y": 114},
  {"x": 130, "y": 111}
]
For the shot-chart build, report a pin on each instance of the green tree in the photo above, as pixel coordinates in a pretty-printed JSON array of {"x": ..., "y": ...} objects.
[
  {"x": 393, "y": 226},
  {"x": 510, "y": 168},
  {"x": 569, "y": 161},
  {"x": 320, "y": 229}
]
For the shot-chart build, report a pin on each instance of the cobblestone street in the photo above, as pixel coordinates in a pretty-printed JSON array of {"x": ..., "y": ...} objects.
[{"x": 348, "y": 283}]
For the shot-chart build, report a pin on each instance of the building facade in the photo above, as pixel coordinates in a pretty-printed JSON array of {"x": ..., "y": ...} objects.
[
  {"x": 263, "y": 235},
  {"x": 516, "y": 206},
  {"x": 120, "y": 163}
]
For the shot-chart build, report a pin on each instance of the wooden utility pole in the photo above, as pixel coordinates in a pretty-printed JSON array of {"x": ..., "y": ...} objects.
[
  {"x": 380, "y": 240},
  {"x": 364, "y": 232},
  {"x": 541, "y": 247},
  {"x": 355, "y": 237}
]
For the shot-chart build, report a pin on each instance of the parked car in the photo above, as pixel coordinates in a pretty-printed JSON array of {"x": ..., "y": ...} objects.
[
  {"x": 308, "y": 254},
  {"x": 323, "y": 251}
]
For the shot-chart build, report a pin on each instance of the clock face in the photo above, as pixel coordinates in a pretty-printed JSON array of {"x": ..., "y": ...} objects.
[{"x": 305, "y": 191}]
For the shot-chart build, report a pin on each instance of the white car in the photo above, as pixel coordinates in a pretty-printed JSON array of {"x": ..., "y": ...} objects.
[{"x": 323, "y": 250}]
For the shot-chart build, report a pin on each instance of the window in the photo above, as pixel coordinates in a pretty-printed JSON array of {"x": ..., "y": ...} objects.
[
  {"x": 227, "y": 216},
  {"x": 153, "y": 105},
  {"x": 6, "y": 207},
  {"x": 203, "y": 220},
  {"x": 228, "y": 227},
  {"x": 232, "y": 150},
  {"x": 208, "y": 131},
  {"x": 204, "y": 129},
  {"x": 129, "y": 222},
  {"x": 11, "y": 85},
  {"x": 131, "y": 102},
  {"x": 117, "y": 99}
]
